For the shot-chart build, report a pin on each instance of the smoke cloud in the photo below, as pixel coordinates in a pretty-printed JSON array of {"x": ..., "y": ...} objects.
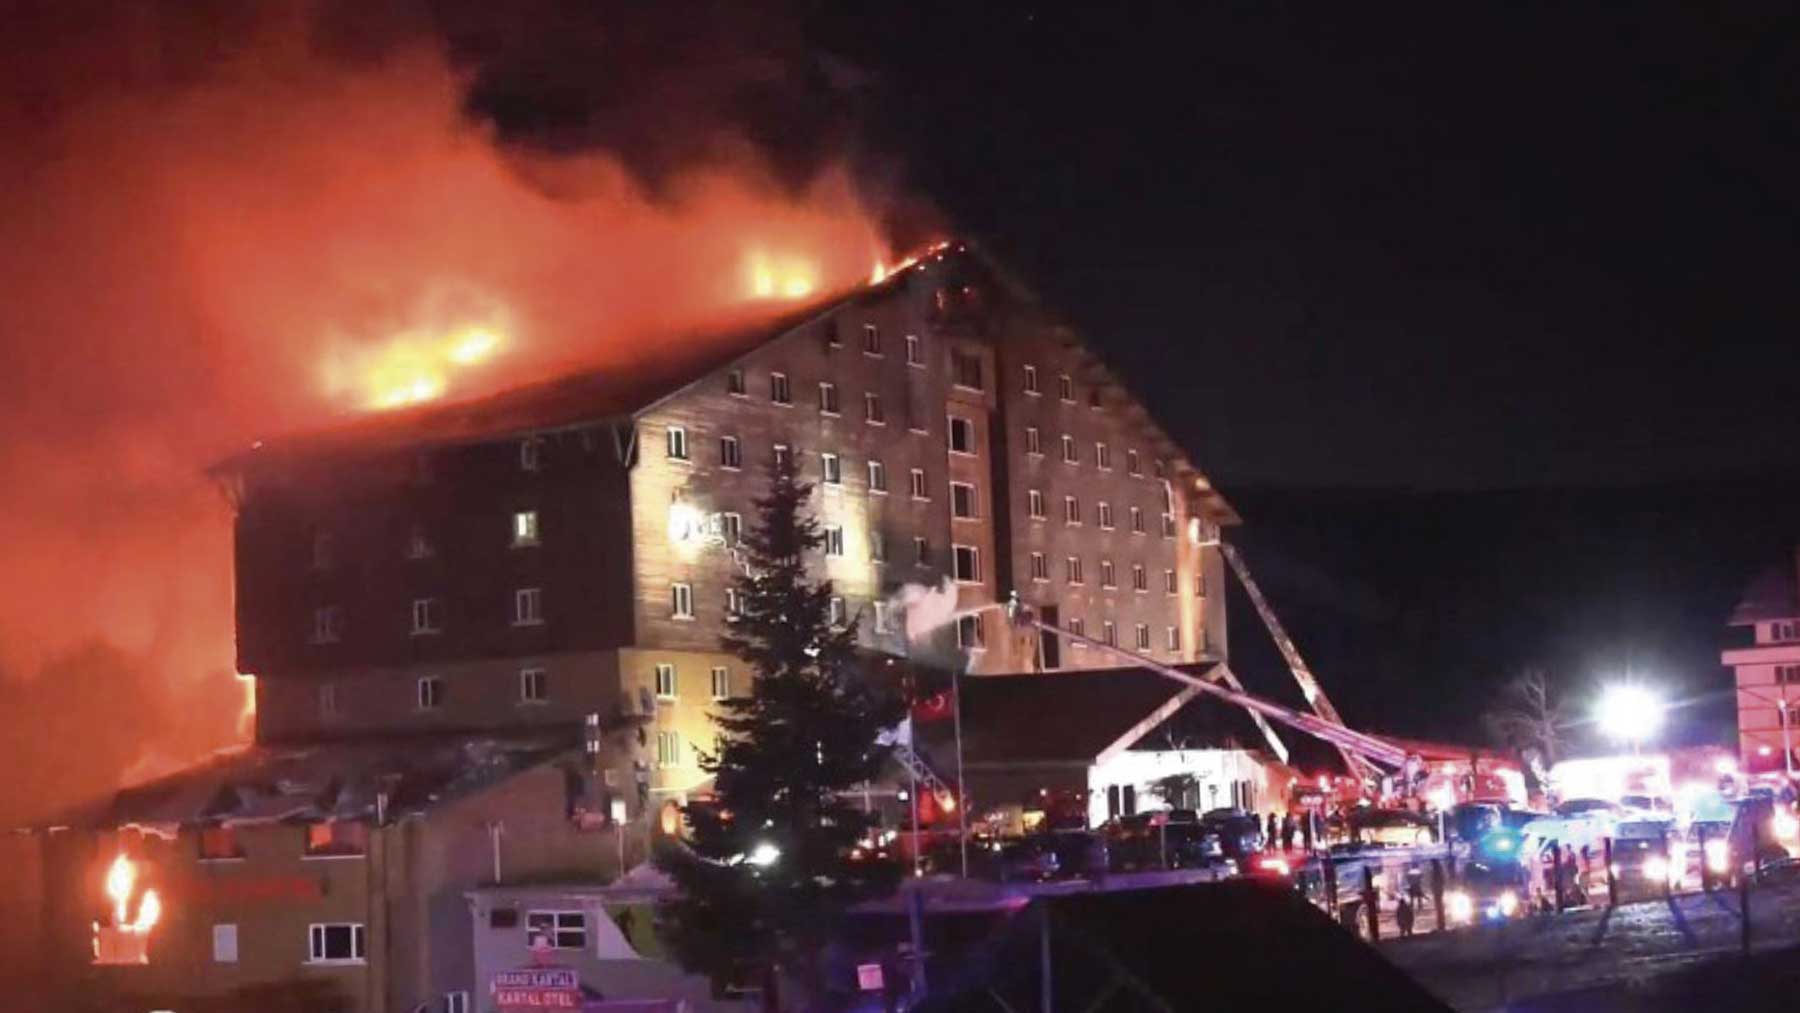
[{"x": 223, "y": 224}]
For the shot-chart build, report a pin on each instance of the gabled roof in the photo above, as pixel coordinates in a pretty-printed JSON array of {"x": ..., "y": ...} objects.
[{"x": 1774, "y": 595}]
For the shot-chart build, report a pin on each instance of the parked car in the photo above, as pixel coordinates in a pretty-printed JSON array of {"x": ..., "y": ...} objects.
[
  {"x": 1392, "y": 827},
  {"x": 1170, "y": 838},
  {"x": 1017, "y": 861},
  {"x": 1239, "y": 834},
  {"x": 1643, "y": 862},
  {"x": 1078, "y": 852}
]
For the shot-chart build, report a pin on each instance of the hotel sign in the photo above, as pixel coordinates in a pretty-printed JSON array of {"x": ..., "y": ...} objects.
[{"x": 537, "y": 988}]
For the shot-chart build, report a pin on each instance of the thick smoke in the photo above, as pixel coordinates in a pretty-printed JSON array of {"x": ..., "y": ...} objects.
[{"x": 217, "y": 223}]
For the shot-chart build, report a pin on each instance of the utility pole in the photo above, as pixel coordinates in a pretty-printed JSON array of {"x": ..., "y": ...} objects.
[{"x": 962, "y": 782}]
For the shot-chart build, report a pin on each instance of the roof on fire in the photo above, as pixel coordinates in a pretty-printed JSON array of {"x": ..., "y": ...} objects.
[
  {"x": 335, "y": 780},
  {"x": 1774, "y": 595}
]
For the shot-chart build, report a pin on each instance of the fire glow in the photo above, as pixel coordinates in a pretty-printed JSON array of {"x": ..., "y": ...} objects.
[
  {"x": 124, "y": 940},
  {"x": 410, "y": 368}
]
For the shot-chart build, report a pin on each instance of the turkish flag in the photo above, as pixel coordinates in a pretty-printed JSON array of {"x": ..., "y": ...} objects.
[{"x": 935, "y": 707}]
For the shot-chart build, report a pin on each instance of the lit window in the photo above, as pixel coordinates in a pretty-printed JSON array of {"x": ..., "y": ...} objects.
[
  {"x": 834, "y": 540},
  {"x": 1109, "y": 633},
  {"x": 1034, "y": 441},
  {"x": 966, "y": 563},
  {"x": 878, "y": 546},
  {"x": 1040, "y": 567},
  {"x": 427, "y": 616},
  {"x": 1071, "y": 510},
  {"x": 872, "y": 410},
  {"x": 837, "y": 613},
  {"x": 965, "y": 370},
  {"x": 831, "y": 469},
  {"x": 828, "y": 398},
  {"x": 1139, "y": 582},
  {"x": 528, "y": 606},
  {"x": 531, "y": 454},
  {"x": 418, "y": 545},
  {"x": 665, "y": 681},
  {"x": 1031, "y": 380},
  {"x": 322, "y": 550},
  {"x": 1137, "y": 521},
  {"x": 731, "y": 453},
  {"x": 963, "y": 505},
  {"x": 734, "y": 383},
  {"x": 883, "y": 617},
  {"x": 1068, "y": 450},
  {"x": 525, "y": 527},
  {"x": 328, "y": 624},
  {"x": 781, "y": 456},
  {"x": 1107, "y": 576},
  {"x": 971, "y": 633},
  {"x": 734, "y": 604},
  {"x": 1072, "y": 569},
  {"x": 225, "y": 943},
  {"x": 1065, "y": 387},
  {"x": 1034, "y": 503},
  {"x": 1102, "y": 457},
  {"x": 1175, "y": 638},
  {"x": 337, "y": 839},
  {"x": 877, "y": 477},
  {"x": 962, "y": 436},
  {"x": 668, "y": 749},
  {"x": 721, "y": 682},
  {"x": 1143, "y": 637},
  {"x": 1104, "y": 515},
  {"x": 871, "y": 339},
  {"x": 1169, "y": 585},
  {"x": 678, "y": 447},
  {"x": 681, "y": 601},
  {"x": 431, "y": 693},
  {"x": 921, "y": 551},
  {"x": 560, "y": 930},
  {"x": 919, "y": 490},
  {"x": 731, "y": 527},
  {"x": 779, "y": 391},
  {"x": 335, "y": 943},
  {"x": 328, "y": 700},
  {"x": 1132, "y": 465},
  {"x": 219, "y": 844},
  {"x": 915, "y": 353}
]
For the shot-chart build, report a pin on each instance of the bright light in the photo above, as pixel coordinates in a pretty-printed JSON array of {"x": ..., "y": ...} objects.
[
  {"x": 121, "y": 877},
  {"x": 1629, "y": 713},
  {"x": 473, "y": 345},
  {"x": 1725, "y": 766},
  {"x": 684, "y": 521},
  {"x": 1459, "y": 905},
  {"x": 1656, "y": 868},
  {"x": 764, "y": 855},
  {"x": 1786, "y": 827},
  {"x": 947, "y": 802},
  {"x": 1509, "y": 903},
  {"x": 1718, "y": 855},
  {"x": 1763, "y": 750},
  {"x": 149, "y": 912},
  {"x": 777, "y": 278},
  {"x": 1279, "y": 866},
  {"x": 1443, "y": 797}
]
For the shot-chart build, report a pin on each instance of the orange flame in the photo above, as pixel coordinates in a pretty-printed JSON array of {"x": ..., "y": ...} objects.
[{"x": 121, "y": 878}]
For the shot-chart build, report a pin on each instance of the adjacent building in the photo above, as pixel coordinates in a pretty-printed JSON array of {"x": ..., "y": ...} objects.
[{"x": 1767, "y": 670}]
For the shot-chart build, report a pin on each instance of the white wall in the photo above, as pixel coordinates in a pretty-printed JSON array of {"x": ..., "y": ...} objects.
[{"x": 1214, "y": 769}]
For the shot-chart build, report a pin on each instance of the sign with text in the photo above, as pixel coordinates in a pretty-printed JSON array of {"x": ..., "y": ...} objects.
[{"x": 537, "y": 988}]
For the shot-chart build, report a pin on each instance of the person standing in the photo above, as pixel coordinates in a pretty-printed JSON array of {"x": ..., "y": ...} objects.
[
  {"x": 1403, "y": 916},
  {"x": 1269, "y": 839},
  {"x": 1289, "y": 827}
]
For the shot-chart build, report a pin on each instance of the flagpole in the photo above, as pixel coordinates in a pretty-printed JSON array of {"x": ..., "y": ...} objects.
[{"x": 962, "y": 796}]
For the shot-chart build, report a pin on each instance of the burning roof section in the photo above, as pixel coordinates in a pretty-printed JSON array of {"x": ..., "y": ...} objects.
[{"x": 330, "y": 781}]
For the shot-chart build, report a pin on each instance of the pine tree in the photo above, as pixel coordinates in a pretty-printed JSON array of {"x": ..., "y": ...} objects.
[{"x": 767, "y": 869}]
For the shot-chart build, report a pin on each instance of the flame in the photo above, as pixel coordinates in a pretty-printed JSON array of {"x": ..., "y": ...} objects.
[
  {"x": 247, "y": 714},
  {"x": 779, "y": 277},
  {"x": 149, "y": 912},
  {"x": 413, "y": 366},
  {"x": 121, "y": 877}
]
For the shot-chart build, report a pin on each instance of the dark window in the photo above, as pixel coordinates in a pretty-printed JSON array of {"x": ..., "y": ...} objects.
[
  {"x": 966, "y": 370},
  {"x": 734, "y": 382},
  {"x": 962, "y": 435}
]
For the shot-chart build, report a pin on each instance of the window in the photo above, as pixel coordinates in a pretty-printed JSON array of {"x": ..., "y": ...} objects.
[
  {"x": 831, "y": 469},
  {"x": 731, "y": 453},
  {"x": 1065, "y": 387},
  {"x": 219, "y": 844},
  {"x": 427, "y": 617},
  {"x": 677, "y": 443},
  {"x": 878, "y": 546},
  {"x": 1040, "y": 567},
  {"x": 1034, "y": 503},
  {"x": 457, "y": 1002},
  {"x": 966, "y": 563},
  {"x": 721, "y": 682},
  {"x": 1109, "y": 633},
  {"x": 430, "y": 693},
  {"x": 1787, "y": 675},
  {"x": 1200, "y": 583},
  {"x": 1143, "y": 637},
  {"x": 328, "y": 624},
  {"x": 871, "y": 339},
  {"x": 1108, "y": 576},
  {"x": 831, "y": 334},
  {"x": 525, "y": 527},
  {"x": 915, "y": 354},
  {"x": 919, "y": 490},
  {"x": 734, "y": 604},
  {"x": 224, "y": 939},
  {"x": 328, "y": 700},
  {"x": 337, "y": 839},
  {"x": 531, "y": 454},
  {"x": 1068, "y": 450},
  {"x": 1071, "y": 510},
  {"x": 528, "y": 606},
  {"x": 962, "y": 501},
  {"x": 837, "y": 613},
  {"x": 665, "y": 681},
  {"x": 781, "y": 455},
  {"x": 562, "y": 930},
  {"x": 1780, "y": 632},
  {"x": 1137, "y": 521},
  {"x": 1169, "y": 585},
  {"x": 335, "y": 943},
  {"x": 1102, "y": 457},
  {"x": 534, "y": 686},
  {"x": 828, "y": 399},
  {"x": 971, "y": 633},
  {"x": 884, "y": 620},
  {"x": 965, "y": 370},
  {"x": 962, "y": 436},
  {"x": 681, "y": 601},
  {"x": 1103, "y": 515},
  {"x": 1031, "y": 380},
  {"x": 1034, "y": 441},
  {"x": 1094, "y": 396},
  {"x": 322, "y": 553},
  {"x": 1072, "y": 569},
  {"x": 877, "y": 477},
  {"x": 834, "y": 540},
  {"x": 734, "y": 383},
  {"x": 418, "y": 544},
  {"x": 731, "y": 527},
  {"x": 1168, "y": 525},
  {"x": 872, "y": 410},
  {"x": 779, "y": 391},
  {"x": 668, "y": 749},
  {"x": 1174, "y": 638},
  {"x": 1139, "y": 581},
  {"x": 1079, "y": 628},
  {"x": 1133, "y": 466},
  {"x": 921, "y": 551}
]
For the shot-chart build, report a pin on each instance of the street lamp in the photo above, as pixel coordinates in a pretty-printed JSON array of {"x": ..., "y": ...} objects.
[{"x": 1629, "y": 713}]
